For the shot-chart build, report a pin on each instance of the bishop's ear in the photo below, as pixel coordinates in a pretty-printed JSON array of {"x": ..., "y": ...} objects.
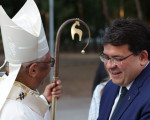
[
  {"x": 143, "y": 57},
  {"x": 33, "y": 70}
]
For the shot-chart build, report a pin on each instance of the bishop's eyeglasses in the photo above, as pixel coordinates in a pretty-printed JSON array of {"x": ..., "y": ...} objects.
[
  {"x": 116, "y": 61},
  {"x": 51, "y": 62}
]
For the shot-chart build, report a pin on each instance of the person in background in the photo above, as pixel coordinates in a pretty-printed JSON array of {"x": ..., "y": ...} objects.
[
  {"x": 26, "y": 50},
  {"x": 100, "y": 76},
  {"x": 100, "y": 81},
  {"x": 126, "y": 55}
]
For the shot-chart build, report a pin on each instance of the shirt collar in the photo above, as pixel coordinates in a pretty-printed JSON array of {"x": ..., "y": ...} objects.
[
  {"x": 147, "y": 64},
  {"x": 128, "y": 86}
]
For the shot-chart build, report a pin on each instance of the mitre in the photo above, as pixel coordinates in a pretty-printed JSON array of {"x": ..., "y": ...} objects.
[{"x": 23, "y": 39}]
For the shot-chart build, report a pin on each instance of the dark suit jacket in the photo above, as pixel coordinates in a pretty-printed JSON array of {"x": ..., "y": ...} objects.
[{"x": 136, "y": 103}]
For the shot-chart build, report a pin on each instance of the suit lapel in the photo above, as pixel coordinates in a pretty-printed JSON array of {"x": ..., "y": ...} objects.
[
  {"x": 128, "y": 99},
  {"x": 108, "y": 101}
]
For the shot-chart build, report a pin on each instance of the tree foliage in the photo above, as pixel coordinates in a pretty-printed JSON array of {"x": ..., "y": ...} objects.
[{"x": 98, "y": 14}]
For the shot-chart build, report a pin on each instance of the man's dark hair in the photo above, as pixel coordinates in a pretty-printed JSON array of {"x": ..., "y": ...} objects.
[{"x": 128, "y": 31}]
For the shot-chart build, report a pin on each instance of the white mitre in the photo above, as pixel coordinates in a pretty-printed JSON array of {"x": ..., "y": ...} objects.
[{"x": 24, "y": 40}]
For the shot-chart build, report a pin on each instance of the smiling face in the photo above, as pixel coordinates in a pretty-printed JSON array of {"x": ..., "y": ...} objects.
[{"x": 128, "y": 69}]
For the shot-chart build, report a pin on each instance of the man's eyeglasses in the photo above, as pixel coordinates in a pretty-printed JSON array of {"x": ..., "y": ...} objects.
[
  {"x": 51, "y": 62},
  {"x": 116, "y": 61}
]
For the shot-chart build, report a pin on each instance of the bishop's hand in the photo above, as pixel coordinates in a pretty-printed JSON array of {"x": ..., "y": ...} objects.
[{"x": 53, "y": 89}]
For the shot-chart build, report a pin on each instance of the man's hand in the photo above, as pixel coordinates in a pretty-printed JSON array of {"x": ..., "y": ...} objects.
[{"x": 53, "y": 89}]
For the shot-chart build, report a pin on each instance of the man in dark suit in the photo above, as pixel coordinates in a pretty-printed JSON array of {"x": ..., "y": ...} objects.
[{"x": 126, "y": 55}]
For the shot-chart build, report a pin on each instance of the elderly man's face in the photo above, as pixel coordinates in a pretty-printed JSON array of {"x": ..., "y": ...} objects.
[
  {"x": 124, "y": 72},
  {"x": 33, "y": 74},
  {"x": 44, "y": 68}
]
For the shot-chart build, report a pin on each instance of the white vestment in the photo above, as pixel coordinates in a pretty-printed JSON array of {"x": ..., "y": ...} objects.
[{"x": 23, "y": 104}]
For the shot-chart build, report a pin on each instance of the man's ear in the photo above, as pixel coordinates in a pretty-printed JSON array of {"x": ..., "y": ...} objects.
[
  {"x": 143, "y": 57},
  {"x": 33, "y": 70}
]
